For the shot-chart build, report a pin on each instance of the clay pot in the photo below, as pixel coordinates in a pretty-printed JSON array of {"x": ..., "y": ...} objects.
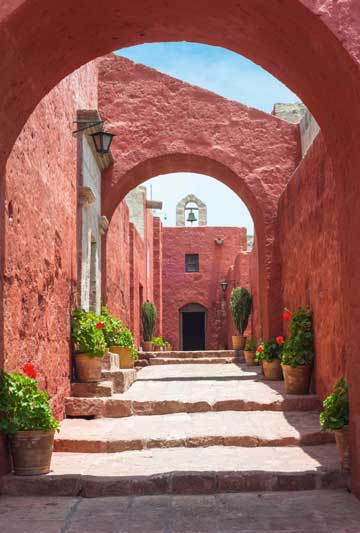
[
  {"x": 297, "y": 380},
  {"x": 5, "y": 461},
  {"x": 125, "y": 359},
  {"x": 238, "y": 342},
  {"x": 272, "y": 370},
  {"x": 157, "y": 348},
  {"x": 147, "y": 346},
  {"x": 342, "y": 437},
  {"x": 31, "y": 452},
  {"x": 88, "y": 369},
  {"x": 249, "y": 358}
]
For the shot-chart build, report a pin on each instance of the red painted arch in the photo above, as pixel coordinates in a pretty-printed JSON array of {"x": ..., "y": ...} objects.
[{"x": 165, "y": 126}]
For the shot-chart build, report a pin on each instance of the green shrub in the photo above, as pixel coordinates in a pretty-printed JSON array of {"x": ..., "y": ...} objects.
[
  {"x": 148, "y": 318},
  {"x": 22, "y": 406},
  {"x": 268, "y": 351},
  {"x": 250, "y": 344},
  {"x": 298, "y": 348},
  {"x": 240, "y": 306},
  {"x": 158, "y": 341},
  {"x": 112, "y": 328},
  {"x": 87, "y": 333},
  {"x": 336, "y": 408}
]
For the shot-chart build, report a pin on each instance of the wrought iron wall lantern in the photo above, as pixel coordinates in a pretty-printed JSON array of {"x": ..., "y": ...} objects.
[
  {"x": 102, "y": 139},
  {"x": 224, "y": 284}
]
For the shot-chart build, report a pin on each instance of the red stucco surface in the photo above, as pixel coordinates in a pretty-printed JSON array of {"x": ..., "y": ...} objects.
[
  {"x": 164, "y": 125},
  {"x": 41, "y": 45},
  {"x": 181, "y": 288},
  {"x": 310, "y": 253},
  {"x": 40, "y": 266}
]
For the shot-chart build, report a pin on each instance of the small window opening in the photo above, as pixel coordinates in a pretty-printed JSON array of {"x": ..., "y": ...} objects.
[{"x": 192, "y": 263}]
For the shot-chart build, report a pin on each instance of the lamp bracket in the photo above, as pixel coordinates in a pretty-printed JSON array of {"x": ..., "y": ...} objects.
[{"x": 89, "y": 125}]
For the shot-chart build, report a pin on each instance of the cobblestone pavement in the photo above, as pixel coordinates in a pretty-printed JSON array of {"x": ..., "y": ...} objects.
[{"x": 290, "y": 512}]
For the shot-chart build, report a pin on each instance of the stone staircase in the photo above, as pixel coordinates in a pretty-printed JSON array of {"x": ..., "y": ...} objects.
[
  {"x": 188, "y": 429},
  {"x": 208, "y": 357}
]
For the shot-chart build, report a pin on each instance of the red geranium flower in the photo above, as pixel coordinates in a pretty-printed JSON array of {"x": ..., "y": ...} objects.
[
  {"x": 260, "y": 349},
  {"x": 29, "y": 370},
  {"x": 100, "y": 325},
  {"x": 286, "y": 315},
  {"x": 280, "y": 339}
]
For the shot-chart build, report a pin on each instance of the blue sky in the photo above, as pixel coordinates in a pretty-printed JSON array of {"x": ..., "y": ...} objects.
[{"x": 224, "y": 73}]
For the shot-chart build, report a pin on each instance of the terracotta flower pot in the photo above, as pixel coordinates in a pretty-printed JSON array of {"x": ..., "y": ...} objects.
[
  {"x": 238, "y": 342},
  {"x": 125, "y": 359},
  {"x": 147, "y": 346},
  {"x": 31, "y": 452},
  {"x": 250, "y": 358},
  {"x": 88, "y": 369},
  {"x": 272, "y": 370},
  {"x": 342, "y": 437},
  {"x": 297, "y": 380},
  {"x": 157, "y": 348}
]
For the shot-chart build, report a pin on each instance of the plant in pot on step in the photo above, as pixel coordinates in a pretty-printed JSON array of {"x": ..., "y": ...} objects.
[
  {"x": 298, "y": 353},
  {"x": 269, "y": 354},
  {"x": 148, "y": 319},
  {"x": 335, "y": 417},
  {"x": 112, "y": 327},
  {"x": 158, "y": 344},
  {"x": 27, "y": 419},
  {"x": 240, "y": 306},
  {"x": 167, "y": 346},
  {"x": 127, "y": 352},
  {"x": 250, "y": 351},
  {"x": 90, "y": 346}
]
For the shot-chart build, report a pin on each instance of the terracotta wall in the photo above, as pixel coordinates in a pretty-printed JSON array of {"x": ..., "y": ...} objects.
[
  {"x": 116, "y": 271},
  {"x": 181, "y": 288},
  {"x": 310, "y": 255},
  {"x": 40, "y": 270}
]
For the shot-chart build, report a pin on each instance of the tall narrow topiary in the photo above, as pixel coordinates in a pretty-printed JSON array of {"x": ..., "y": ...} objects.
[
  {"x": 148, "y": 318},
  {"x": 240, "y": 306}
]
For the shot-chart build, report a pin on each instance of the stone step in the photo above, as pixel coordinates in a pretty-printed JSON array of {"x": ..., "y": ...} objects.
[
  {"x": 167, "y": 389},
  {"x": 184, "y": 471},
  {"x": 90, "y": 390},
  {"x": 226, "y": 428},
  {"x": 118, "y": 406},
  {"x": 209, "y": 354},
  {"x": 122, "y": 379},
  {"x": 213, "y": 360},
  {"x": 110, "y": 361}
]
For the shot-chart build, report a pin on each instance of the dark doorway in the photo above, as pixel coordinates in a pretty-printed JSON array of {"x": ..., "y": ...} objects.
[{"x": 193, "y": 328}]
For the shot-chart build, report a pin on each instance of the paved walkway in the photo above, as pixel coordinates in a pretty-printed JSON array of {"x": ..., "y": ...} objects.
[{"x": 290, "y": 512}]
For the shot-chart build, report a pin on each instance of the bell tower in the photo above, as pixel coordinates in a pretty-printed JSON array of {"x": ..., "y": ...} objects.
[{"x": 191, "y": 210}]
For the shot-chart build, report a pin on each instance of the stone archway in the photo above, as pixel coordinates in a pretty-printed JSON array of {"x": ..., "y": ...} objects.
[
  {"x": 253, "y": 153},
  {"x": 41, "y": 45}
]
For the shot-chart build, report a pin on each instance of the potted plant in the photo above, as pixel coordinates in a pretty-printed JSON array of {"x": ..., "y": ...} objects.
[
  {"x": 148, "y": 319},
  {"x": 250, "y": 351},
  {"x": 158, "y": 344},
  {"x": 269, "y": 354},
  {"x": 298, "y": 353},
  {"x": 112, "y": 327},
  {"x": 27, "y": 420},
  {"x": 240, "y": 306},
  {"x": 90, "y": 345},
  {"x": 167, "y": 346},
  {"x": 335, "y": 417},
  {"x": 127, "y": 352}
]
